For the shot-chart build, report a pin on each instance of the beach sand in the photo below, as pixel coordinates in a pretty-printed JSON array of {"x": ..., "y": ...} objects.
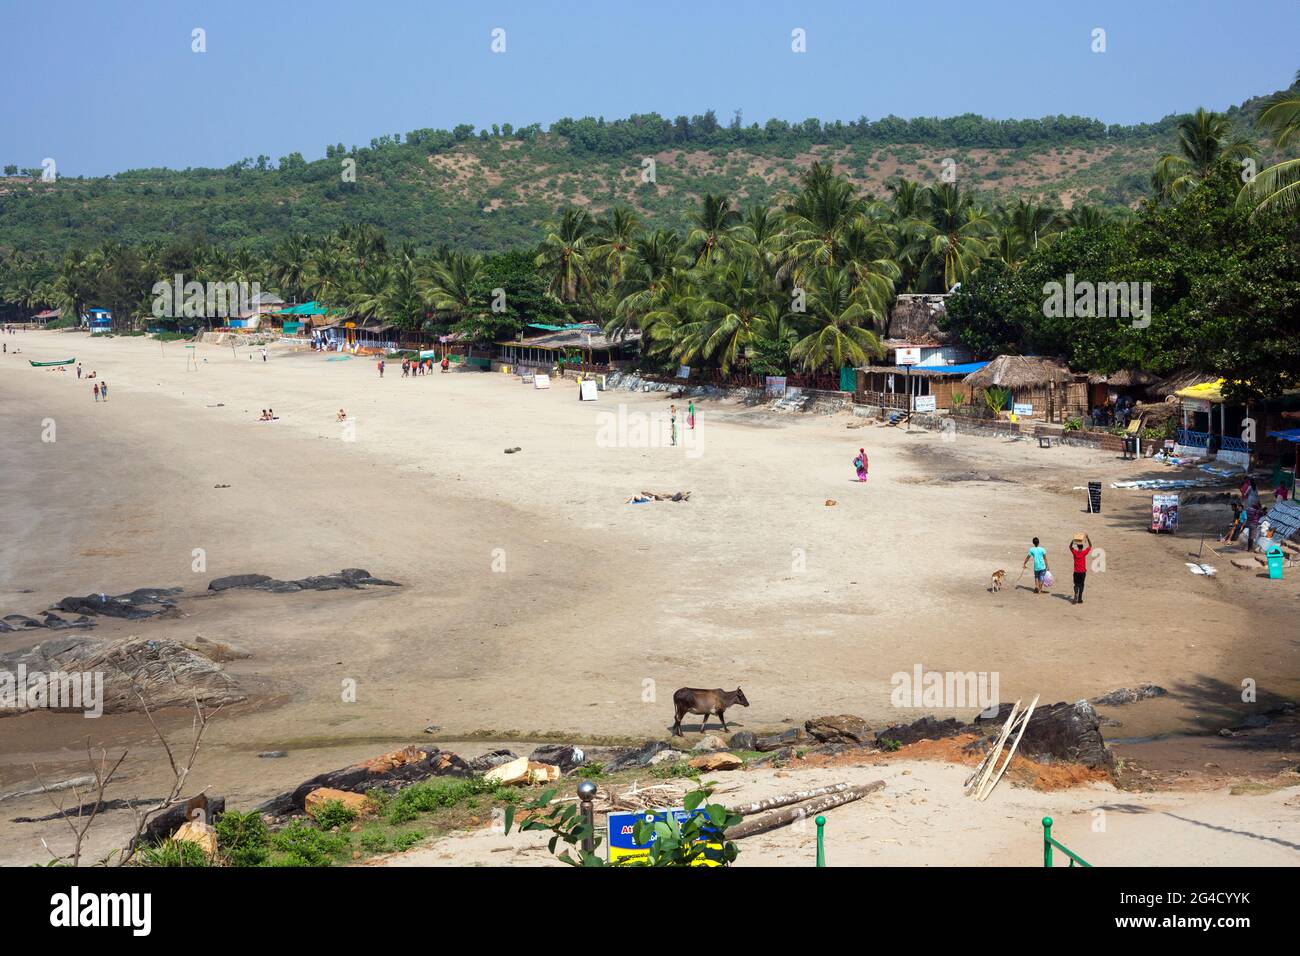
[{"x": 535, "y": 601}]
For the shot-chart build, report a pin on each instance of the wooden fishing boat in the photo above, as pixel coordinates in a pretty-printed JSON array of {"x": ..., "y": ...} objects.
[{"x": 43, "y": 364}]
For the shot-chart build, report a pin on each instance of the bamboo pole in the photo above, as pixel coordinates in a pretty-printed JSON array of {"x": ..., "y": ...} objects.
[{"x": 788, "y": 815}]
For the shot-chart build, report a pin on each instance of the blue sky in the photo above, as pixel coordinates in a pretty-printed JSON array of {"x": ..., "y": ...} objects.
[{"x": 102, "y": 85}]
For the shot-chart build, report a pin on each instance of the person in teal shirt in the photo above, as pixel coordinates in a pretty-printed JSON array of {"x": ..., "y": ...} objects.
[{"x": 1039, "y": 557}]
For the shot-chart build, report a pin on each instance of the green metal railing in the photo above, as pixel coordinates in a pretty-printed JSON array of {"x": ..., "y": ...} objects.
[{"x": 1050, "y": 841}]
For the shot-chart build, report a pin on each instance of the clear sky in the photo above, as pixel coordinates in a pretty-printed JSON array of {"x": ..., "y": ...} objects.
[{"x": 106, "y": 85}]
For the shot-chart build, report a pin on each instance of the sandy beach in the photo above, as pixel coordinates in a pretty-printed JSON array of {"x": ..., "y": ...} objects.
[{"x": 536, "y": 601}]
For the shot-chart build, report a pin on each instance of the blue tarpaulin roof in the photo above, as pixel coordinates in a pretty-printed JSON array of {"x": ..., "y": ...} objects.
[
  {"x": 1290, "y": 434},
  {"x": 965, "y": 369}
]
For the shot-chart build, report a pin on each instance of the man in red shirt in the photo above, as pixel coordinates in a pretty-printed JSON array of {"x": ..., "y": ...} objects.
[{"x": 1080, "y": 551}]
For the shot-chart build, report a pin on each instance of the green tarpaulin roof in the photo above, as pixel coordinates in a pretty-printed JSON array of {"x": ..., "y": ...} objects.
[{"x": 307, "y": 308}]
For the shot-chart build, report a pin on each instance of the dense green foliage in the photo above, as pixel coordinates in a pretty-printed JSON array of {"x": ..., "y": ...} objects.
[{"x": 803, "y": 285}]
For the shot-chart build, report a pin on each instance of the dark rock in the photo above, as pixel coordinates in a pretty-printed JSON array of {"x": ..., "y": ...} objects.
[
  {"x": 56, "y": 623},
  {"x": 564, "y": 756},
  {"x": 1070, "y": 732},
  {"x": 745, "y": 740},
  {"x": 1129, "y": 695},
  {"x": 493, "y": 758},
  {"x": 202, "y": 808},
  {"x": 388, "y": 772},
  {"x": 237, "y": 581},
  {"x": 927, "y": 728},
  {"x": 789, "y": 738},
  {"x": 841, "y": 728},
  {"x": 638, "y": 757},
  {"x": 271, "y": 754},
  {"x": 21, "y": 622}
]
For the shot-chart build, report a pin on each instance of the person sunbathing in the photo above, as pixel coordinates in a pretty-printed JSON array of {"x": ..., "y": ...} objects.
[
  {"x": 342, "y": 416},
  {"x": 264, "y": 417}
]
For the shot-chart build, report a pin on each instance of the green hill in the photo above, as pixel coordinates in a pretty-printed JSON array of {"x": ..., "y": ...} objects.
[{"x": 489, "y": 191}]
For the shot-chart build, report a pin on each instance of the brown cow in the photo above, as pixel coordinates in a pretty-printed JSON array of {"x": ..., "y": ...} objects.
[{"x": 694, "y": 700}]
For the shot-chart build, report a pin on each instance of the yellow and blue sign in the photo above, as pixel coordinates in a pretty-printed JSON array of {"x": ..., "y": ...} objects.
[{"x": 622, "y": 843}]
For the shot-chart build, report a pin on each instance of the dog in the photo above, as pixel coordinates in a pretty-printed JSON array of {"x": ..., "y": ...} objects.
[{"x": 997, "y": 579}]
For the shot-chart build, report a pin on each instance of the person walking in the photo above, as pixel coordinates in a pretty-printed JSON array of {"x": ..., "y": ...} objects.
[
  {"x": 96, "y": 391},
  {"x": 263, "y": 353},
  {"x": 103, "y": 390},
  {"x": 1080, "y": 548},
  {"x": 861, "y": 464},
  {"x": 672, "y": 415},
  {"x": 381, "y": 368},
  {"x": 1039, "y": 557},
  {"x": 78, "y": 370},
  {"x": 690, "y": 416}
]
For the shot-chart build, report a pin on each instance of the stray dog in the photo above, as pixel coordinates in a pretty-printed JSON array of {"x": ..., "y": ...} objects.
[{"x": 997, "y": 579}]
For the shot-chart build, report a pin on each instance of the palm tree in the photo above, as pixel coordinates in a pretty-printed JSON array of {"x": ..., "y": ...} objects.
[
  {"x": 817, "y": 219},
  {"x": 1085, "y": 217},
  {"x": 368, "y": 295},
  {"x": 449, "y": 287},
  {"x": 612, "y": 242},
  {"x": 836, "y": 313},
  {"x": 1278, "y": 186},
  {"x": 1203, "y": 142},
  {"x": 650, "y": 262},
  {"x": 729, "y": 318},
  {"x": 953, "y": 233},
  {"x": 715, "y": 229},
  {"x": 563, "y": 261}
]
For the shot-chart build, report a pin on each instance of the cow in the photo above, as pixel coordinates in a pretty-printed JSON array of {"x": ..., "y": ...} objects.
[{"x": 693, "y": 700}]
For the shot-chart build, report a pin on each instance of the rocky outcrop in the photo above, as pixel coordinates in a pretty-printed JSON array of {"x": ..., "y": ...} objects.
[
  {"x": 839, "y": 728},
  {"x": 927, "y": 728},
  {"x": 347, "y": 578},
  {"x": 564, "y": 756},
  {"x": 794, "y": 737},
  {"x": 1130, "y": 695},
  {"x": 1069, "y": 732},
  {"x": 639, "y": 757},
  {"x": 388, "y": 772},
  {"x": 117, "y": 674}
]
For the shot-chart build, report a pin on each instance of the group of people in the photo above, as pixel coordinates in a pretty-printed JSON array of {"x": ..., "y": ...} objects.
[
  {"x": 1114, "y": 412},
  {"x": 99, "y": 388},
  {"x": 1247, "y": 512},
  {"x": 672, "y": 418},
  {"x": 268, "y": 415},
  {"x": 1080, "y": 548}
]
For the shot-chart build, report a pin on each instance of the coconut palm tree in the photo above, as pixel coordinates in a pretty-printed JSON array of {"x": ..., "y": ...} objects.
[
  {"x": 835, "y": 317},
  {"x": 612, "y": 241},
  {"x": 449, "y": 284},
  {"x": 715, "y": 230},
  {"x": 953, "y": 232},
  {"x": 816, "y": 220},
  {"x": 563, "y": 260},
  {"x": 1278, "y": 186},
  {"x": 649, "y": 263},
  {"x": 729, "y": 318},
  {"x": 1203, "y": 142}
]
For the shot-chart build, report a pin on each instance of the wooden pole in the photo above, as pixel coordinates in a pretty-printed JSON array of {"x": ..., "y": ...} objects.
[
  {"x": 788, "y": 815},
  {"x": 785, "y": 799}
]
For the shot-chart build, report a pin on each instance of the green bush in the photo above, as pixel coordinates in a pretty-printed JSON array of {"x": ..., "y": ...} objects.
[
  {"x": 333, "y": 813},
  {"x": 243, "y": 839},
  {"x": 173, "y": 853},
  {"x": 302, "y": 845},
  {"x": 404, "y": 841}
]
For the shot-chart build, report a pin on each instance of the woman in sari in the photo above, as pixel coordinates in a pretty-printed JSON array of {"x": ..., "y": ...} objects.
[{"x": 860, "y": 463}]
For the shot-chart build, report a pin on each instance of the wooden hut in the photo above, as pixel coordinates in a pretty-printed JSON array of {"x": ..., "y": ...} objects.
[
  {"x": 1043, "y": 388},
  {"x": 1135, "y": 383}
]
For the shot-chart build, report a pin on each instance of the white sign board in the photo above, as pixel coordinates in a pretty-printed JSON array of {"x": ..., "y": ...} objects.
[
  {"x": 683, "y": 371},
  {"x": 541, "y": 381},
  {"x": 587, "y": 391},
  {"x": 907, "y": 356},
  {"x": 1023, "y": 410},
  {"x": 923, "y": 403}
]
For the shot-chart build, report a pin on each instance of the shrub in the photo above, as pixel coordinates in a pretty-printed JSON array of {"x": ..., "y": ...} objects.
[
  {"x": 333, "y": 813},
  {"x": 301, "y": 845},
  {"x": 173, "y": 853},
  {"x": 405, "y": 841},
  {"x": 243, "y": 839}
]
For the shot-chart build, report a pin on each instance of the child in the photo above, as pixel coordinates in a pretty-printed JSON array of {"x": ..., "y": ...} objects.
[
  {"x": 1039, "y": 557},
  {"x": 1080, "y": 553}
]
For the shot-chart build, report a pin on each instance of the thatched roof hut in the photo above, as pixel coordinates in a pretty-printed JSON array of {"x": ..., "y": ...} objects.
[
  {"x": 915, "y": 319},
  {"x": 1184, "y": 378},
  {"x": 1126, "y": 378},
  {"x": 1020, "y": 371}
]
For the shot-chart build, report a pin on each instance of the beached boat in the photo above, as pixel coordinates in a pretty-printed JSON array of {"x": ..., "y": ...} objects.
[{"x": 59, "y": 362}]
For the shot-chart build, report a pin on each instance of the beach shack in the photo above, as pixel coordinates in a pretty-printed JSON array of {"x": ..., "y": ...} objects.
[
  {"x": 1040, "y": 389},
  {"x": 582, "y": 346},
  {"x": 248, "y": 317},
  {"x": 920, "y": 388},
  {"x": 1212, "y": 426},
  {"x": 97, "y": 320},
  {"x": 1110, "y": 387}
]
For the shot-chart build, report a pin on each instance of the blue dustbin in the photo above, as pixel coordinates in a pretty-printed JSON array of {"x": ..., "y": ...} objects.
[{"x": 1274, "y": 555}]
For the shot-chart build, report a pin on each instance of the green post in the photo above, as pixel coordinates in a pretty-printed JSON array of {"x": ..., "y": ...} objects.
[
  {"x": 1047, "y": 841},
  {"x": 821, "y": 841}
]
